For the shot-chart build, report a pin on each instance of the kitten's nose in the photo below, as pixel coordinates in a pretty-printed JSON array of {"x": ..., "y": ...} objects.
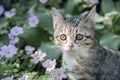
[{"x": 70, "y": 46}]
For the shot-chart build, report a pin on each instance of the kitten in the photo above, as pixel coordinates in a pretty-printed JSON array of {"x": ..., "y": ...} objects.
[{"x": 82, "y": 54}]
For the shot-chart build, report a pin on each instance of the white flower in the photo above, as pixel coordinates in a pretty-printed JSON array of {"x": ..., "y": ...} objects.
[
  {"x": 24, "y": 77},
  {"x": 49, "y": 65},
  {"x": 10, "y": 13},
  {"x": 38, "y": 56}
]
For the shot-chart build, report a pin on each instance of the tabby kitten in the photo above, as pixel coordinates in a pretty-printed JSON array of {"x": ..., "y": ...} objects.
[{"x": 82, "y": 54}]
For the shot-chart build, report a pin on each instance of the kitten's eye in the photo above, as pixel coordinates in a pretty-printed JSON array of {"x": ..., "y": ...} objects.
[
  {"x": 79, "y": 37},
  {"x": 63, "y": 37}
]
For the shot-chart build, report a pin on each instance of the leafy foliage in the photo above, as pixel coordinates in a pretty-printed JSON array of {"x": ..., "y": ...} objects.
[
  {"x": 41, "y": 37},
  {"x": 51, "y": 50}
]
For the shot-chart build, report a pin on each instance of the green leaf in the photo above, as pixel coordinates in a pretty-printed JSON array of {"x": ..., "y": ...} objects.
[
  {"x": 4, "y": 39},
  {"x": 111, "y": 40},
  {"x": 45, "y": 21},
  {"x": 70, "y": 5},
  {"x": 107, "y": 6},
  {"x": 6, "y": 3},
  {"x": 98, "y": 18},
  {"x": 112, "y": 14},
  {"x": 3, "y": 22},
  {"x": 51, "y": 50},
  {"x": 116, "y": 24},
  {"x": 99, "y": 26},
  {"x": 3, "y": 69},
  {"x": 34, "y": 36},
  {"x": 117, "y": 5}
]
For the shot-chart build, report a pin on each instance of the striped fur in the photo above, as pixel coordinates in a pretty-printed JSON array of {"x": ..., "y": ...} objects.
[{"x": 86, "y": 60}]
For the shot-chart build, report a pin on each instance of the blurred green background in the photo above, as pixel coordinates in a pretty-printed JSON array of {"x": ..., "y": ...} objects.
[{"x": 41, "y": 37}]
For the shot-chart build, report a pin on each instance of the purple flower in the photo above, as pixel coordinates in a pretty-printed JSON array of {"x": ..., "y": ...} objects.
[
  {"x": 24, "y": 77},
  {"x": 14, "y": 41},
  {"x": 29, "y": 49},
  {"x": 59, "y": 74},
  {"x": 10, "y": 36},
  {"x": 15, "y": 31},
  {"x": 10, "y": 13},
  {"x": 8, "y": 51},
  {"x": 31, "y": 11},
  {"x": 95, "y": 1},
  {"x": 43, "y": 1},
  {"x": 1, "y": 9},
  {"x": 33, "y": 21},
  {"x": 49, "y": 65},
  {"x": 13, "y": 10},
  {"x": 8, "y": 78},
  {"x": 38, "y": 56}
]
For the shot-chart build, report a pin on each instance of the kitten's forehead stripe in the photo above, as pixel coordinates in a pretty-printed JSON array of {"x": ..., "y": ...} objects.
[
  {"x": 70, "y": 29},
  {"x": 74, "y": 21}
]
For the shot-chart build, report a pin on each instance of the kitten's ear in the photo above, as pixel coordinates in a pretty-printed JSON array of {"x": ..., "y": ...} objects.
[
  {"x": 57, "y": 17},
  {"x": 91, "y": 15}
]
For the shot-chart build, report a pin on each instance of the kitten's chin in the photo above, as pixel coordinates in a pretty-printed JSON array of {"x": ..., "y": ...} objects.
[{"x": 69, "y": 50}]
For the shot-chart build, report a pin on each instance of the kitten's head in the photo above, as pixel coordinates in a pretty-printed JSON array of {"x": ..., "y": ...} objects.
[{"x": 74, "y": 33}]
